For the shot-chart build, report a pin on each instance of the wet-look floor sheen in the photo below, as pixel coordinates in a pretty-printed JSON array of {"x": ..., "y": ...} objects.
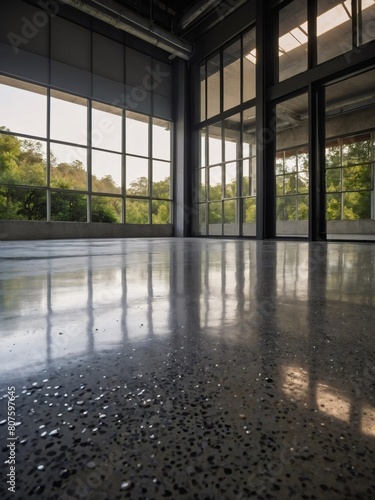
[{"x": 188, "y": 368}]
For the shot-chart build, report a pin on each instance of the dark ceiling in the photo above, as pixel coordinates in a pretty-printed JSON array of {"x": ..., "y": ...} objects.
[{"x": 168, "y": 13}]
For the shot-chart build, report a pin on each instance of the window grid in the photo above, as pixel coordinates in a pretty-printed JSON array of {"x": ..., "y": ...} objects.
[
  {"x": 341, "y": 187},
  {"x": 220, "y": 197},
  {"x": 292, "y": 184},
  {"x": 78, "y": 183}
]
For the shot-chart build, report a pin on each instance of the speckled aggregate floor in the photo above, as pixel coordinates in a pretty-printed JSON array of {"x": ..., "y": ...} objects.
[{"x": 188, "y": 368}]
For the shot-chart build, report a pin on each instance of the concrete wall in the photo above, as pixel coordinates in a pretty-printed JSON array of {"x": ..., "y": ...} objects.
[
  {"x": 365, "y": 229},
  {"x": 30, "y": 230},
  {"x": 292, "y": 228}
]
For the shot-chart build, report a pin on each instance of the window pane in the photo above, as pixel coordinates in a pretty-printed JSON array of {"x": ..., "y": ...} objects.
[
  {"x": 23, "y": 107},
  {"x": 293, "y": 39},
  {"x": 161, "y": 139},
  {"x": 106, "y": 209},
  {"x": 202, "y": 213},
  {"x": 202, "y": 134},
  {"x": 290, "y": 184},
  {"x": 249, "y": 177},
  {"x": 136, "y": 134},
  {"x": 68, "y": 207},
  {"x": 68, "y": 167},
  {"x": 161, "y": 212},
  {"x": 213, "y": 86},
  {"x": 333, "y": 156},
  {"x": 232, "y": 75},
  {"x": 289, "y": 208},
  {"x": 303, "y": 182},
  {"x": 136, "y": 176},
  {"x": 303, "y": 207},
  {"x": 366, "y": 21},
  {"x": 22, "y": 161},
  {"x": 279, "y": 162},
  {"x": 106, "y": 127},
  {"x": 202, "y": 184},
  {"x": 333, "y": 180},
  {"x": 357, "y": 178},
  {"x": 106, "y": 172},
  {"x": 334, "y": 23},
  {"x": 249, "y": 209},
  {"x": 63, "y": 126},
  {"x": 357, "y": 205},
  {"x": 230, "y": 211},
  {"x": 280, "y": 185},
  {"x": 249, "y": 65},
  {"x": 214, "y": 213},
  {"x": 214, "y": 144},
  {"x": 230, "y": 180},
  {"x": 161, "y": 187},
  {"x": 303, "y": 161},
  {"x": 137, "y": 211},
  {"x": 333, "y": 206},
  {"x": 292, "y": 167},
  {"x": 290, "y": 163},
  {"x": 248, "y": 133},
  {"x": 356, "y": 150},
  {"x": 22, "y": 203},
  {"x": 232, "y": 137},
  {"x": 215, "y": 183}
]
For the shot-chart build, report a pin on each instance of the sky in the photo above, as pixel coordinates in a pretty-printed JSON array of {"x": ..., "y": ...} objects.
[{"x": 25, "y": 112}]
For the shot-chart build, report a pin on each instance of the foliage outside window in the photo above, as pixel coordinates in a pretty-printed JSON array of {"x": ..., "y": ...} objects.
[
  {"x": 292, "y": 185},
  {"x": 349, "y": 171},
  {"x": 225, "y": 174}
]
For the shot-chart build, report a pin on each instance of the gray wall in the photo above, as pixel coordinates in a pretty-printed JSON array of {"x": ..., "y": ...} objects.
[
  {"x": 29, "y": 230},
  {"x": 52, "y": 50}
]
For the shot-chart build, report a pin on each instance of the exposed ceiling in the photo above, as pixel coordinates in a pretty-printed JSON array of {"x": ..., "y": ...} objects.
[
  {"x": 168, "y": 13},
  {"x": 172, "y": 25}
]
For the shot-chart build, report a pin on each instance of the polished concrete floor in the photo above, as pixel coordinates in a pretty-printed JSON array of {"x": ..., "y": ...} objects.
[{"x": 189, "y": 368}]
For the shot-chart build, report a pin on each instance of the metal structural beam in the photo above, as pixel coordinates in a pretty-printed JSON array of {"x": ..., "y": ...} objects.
[
  {"x": 130, "y": 22},
  {"x": 196, "y": 12}
]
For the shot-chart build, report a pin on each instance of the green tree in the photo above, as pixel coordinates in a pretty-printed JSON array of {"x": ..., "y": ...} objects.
[
  {"x": 137, "y": 211},
  {"x": 105, "y": 209},
  {"x": 22, "y": 162},
  {"x": 348, "y": 170}
]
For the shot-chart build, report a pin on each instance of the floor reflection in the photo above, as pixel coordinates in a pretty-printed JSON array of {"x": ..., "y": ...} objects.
[{"x": 244, "y": 338}]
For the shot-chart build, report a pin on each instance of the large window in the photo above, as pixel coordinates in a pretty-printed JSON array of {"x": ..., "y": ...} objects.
[
  {"x": 350, "y": 156},
  {"x": 340, "y": 27},
  {"x": 349, "y": 177},
  {"x": 226, "y": 171},
  {"x": 118, "y": 170},
  {"x": 227, "y": 79},
  {"x": 227, "y": 176},
  {"x": 148, "y": 169},
  {"x": 292, "y": 167}
]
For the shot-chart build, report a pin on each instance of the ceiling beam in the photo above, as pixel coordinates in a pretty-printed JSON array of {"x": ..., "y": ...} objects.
[{"x": 130, "y": 22}]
